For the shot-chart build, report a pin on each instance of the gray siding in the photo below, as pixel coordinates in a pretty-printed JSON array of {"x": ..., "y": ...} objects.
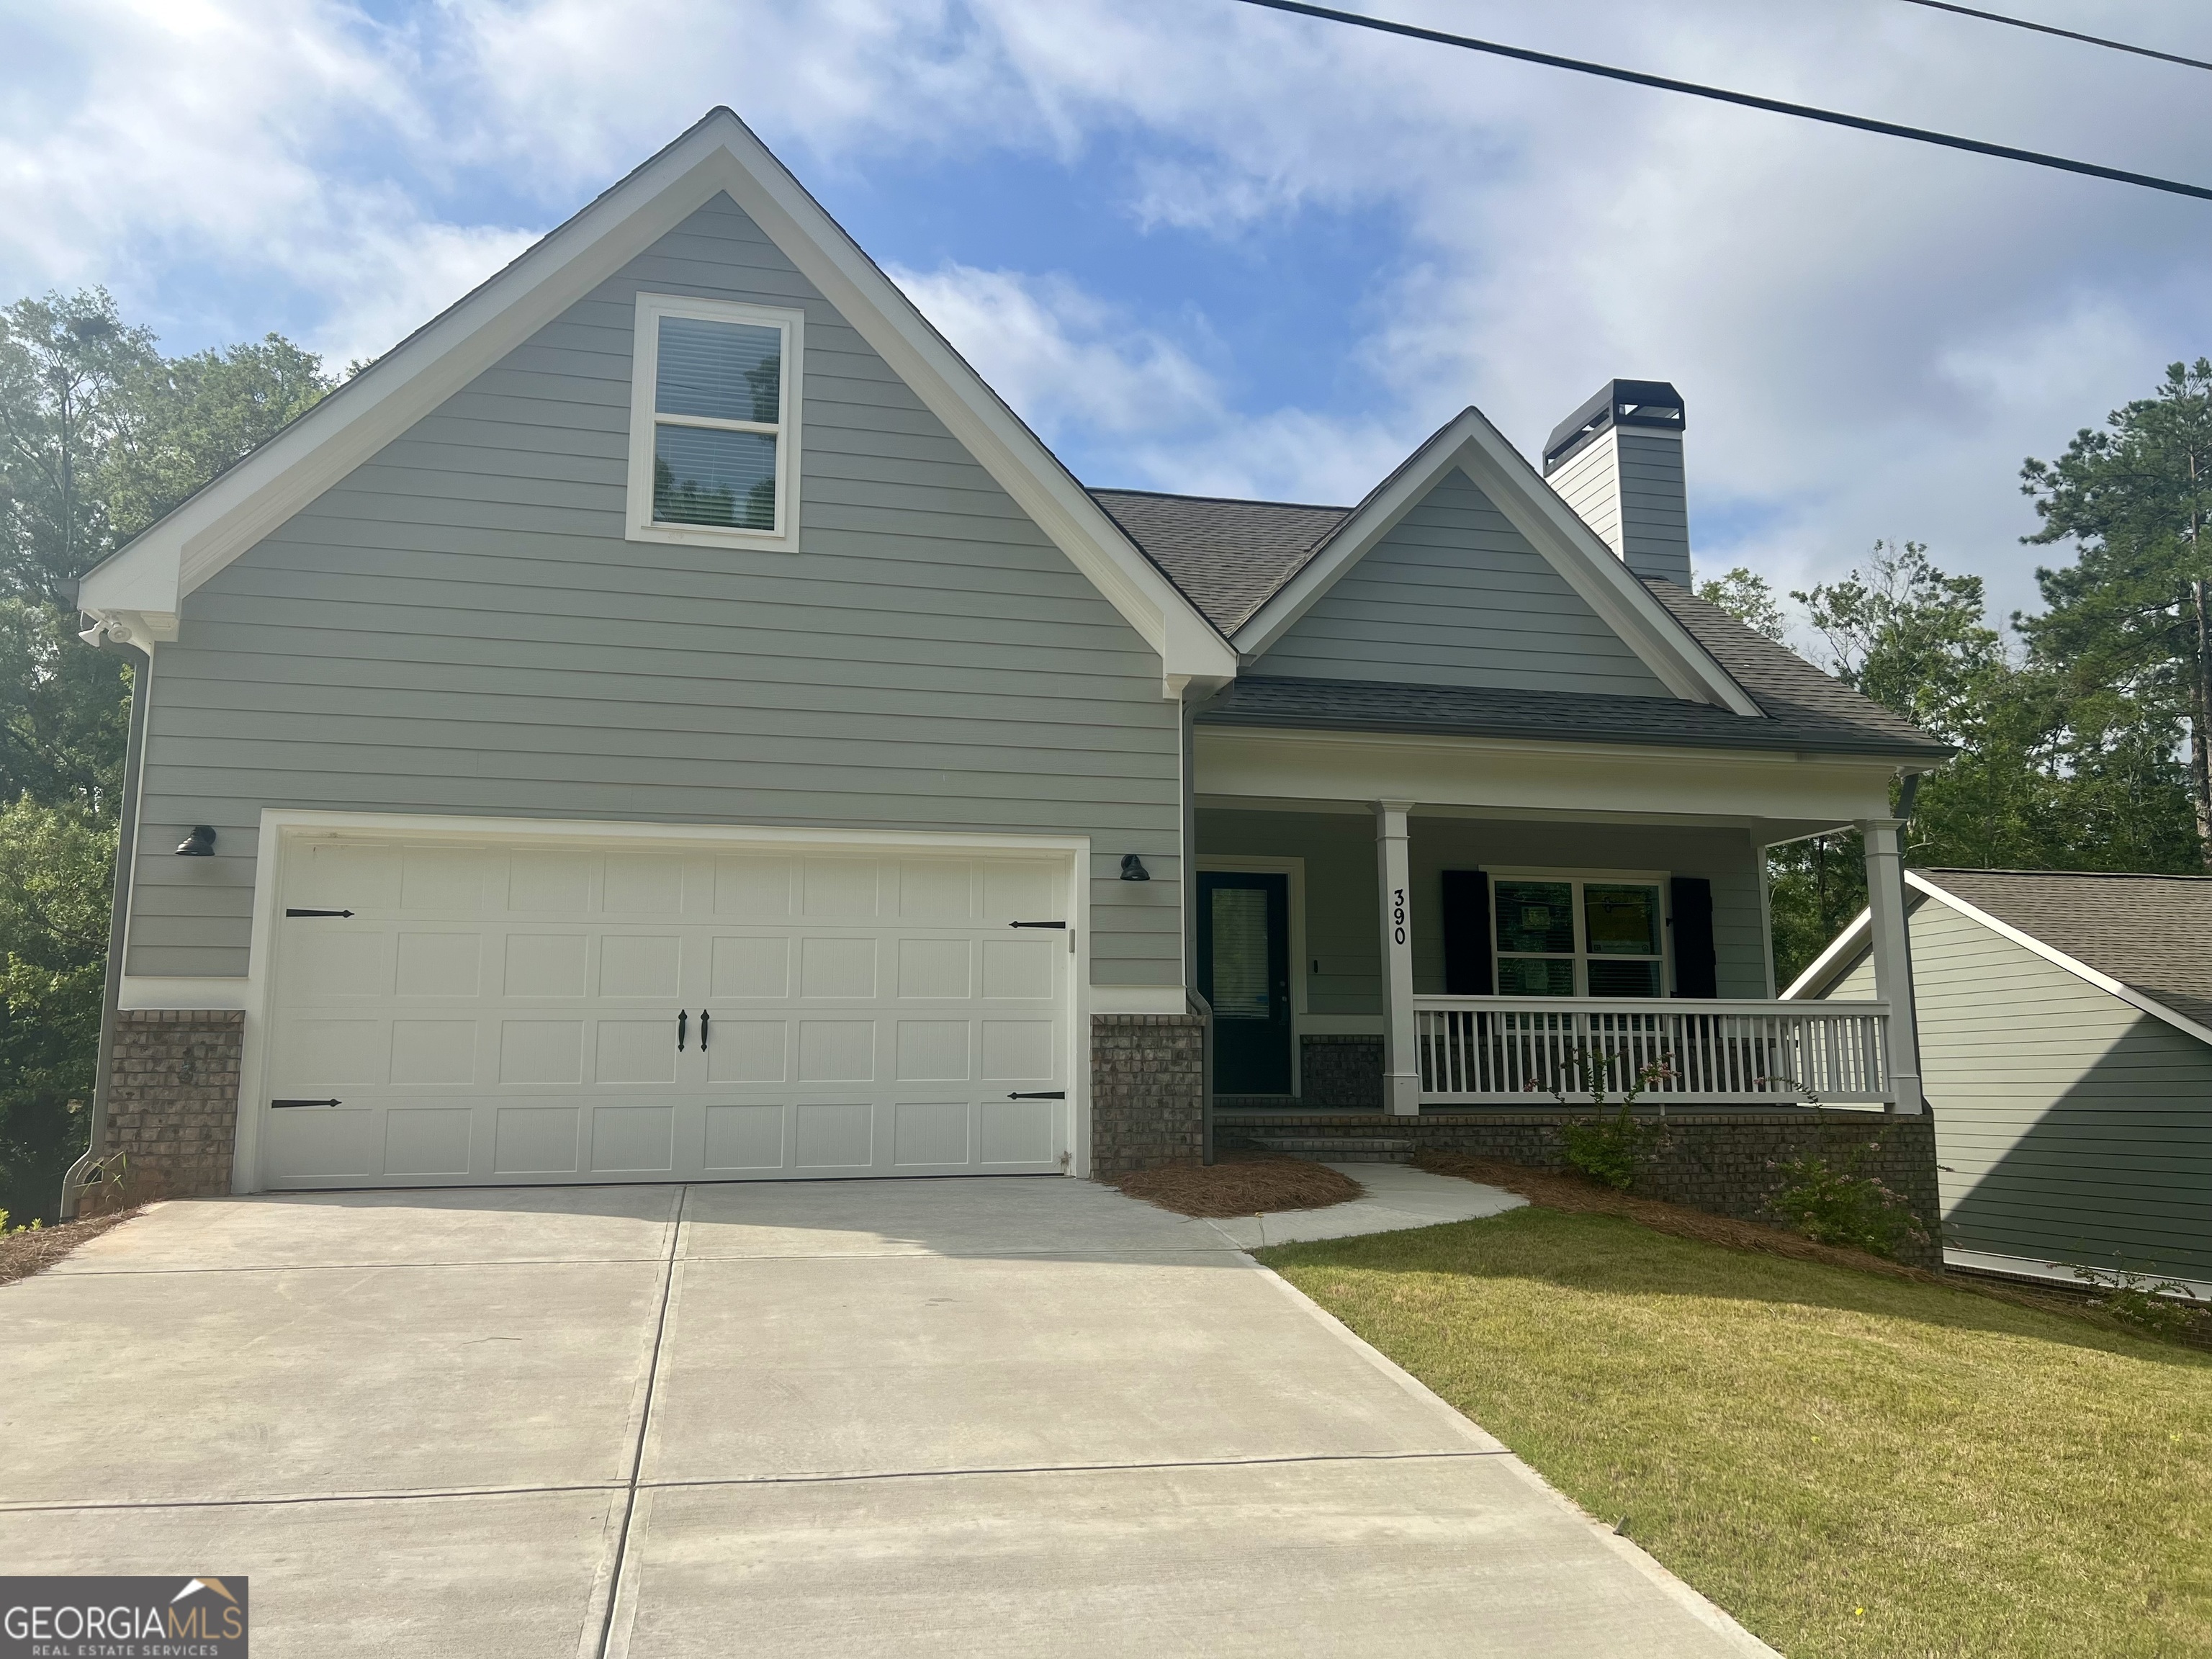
[
  {"x": 1343, "y": 925},
  {"x": 461, "y": 627},
  {"x": 1455, "y": 595},
  {"x": 2070, "y": 1126}
]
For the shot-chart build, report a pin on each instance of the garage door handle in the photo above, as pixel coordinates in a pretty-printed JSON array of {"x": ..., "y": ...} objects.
[
  {"x": 281, "y": 1105},
  {"x": 682, "y": 1024},
  {"x": 1042, "y": 1093},
  {"x": 704, "y": 1018}
]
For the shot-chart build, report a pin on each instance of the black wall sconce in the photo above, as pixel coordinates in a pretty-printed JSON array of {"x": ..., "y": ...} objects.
[
  {"x": 1132, "y": 868},
  {"x": 200, "y": 844}
]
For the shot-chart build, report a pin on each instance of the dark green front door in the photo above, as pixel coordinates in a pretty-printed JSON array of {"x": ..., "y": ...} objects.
[{"x": 1244, "y": 973}]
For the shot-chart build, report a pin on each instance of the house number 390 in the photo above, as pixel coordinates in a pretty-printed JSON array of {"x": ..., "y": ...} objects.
[{"x": 1398, "y": 916}]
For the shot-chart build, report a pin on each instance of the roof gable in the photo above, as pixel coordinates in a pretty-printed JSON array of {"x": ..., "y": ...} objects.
[
  {"x": 1453, "y": 594},
  {"x": 719, "y": 155},
  {"x": 2142, "y": 939},
  {"x": 1471, "y": 445}
]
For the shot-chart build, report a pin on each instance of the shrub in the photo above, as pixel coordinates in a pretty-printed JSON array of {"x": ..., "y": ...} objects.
[
  {"x": 2163, "y": 1307},
  {"x": 1608, "y": 1149},
  {"x": 1831, "y": 1205}
]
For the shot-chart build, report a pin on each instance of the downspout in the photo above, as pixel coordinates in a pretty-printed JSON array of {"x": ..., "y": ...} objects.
[
  {"x": 1197, "y": 1004},
  {"x": 126, "y": 842}
]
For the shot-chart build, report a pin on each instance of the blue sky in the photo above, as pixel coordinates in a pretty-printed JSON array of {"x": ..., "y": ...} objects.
[{"x": 1204, "y": 246}]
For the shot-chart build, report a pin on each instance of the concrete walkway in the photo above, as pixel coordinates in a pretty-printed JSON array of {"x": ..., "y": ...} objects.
[
  {"x": 1013, "y": 1417},
  {"x": 1398, "y": 1196}
]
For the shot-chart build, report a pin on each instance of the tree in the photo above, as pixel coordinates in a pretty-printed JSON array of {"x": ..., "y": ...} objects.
[
  {"x": 2128, "y": 626},
  {"x": 1745, "y": 595},
  {"x": 100, "y": 435},
  {"x": 57, "y": 869},
  {"x": 69, "y": 369}
]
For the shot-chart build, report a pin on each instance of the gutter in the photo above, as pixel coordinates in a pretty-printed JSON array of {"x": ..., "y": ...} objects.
[{"x": 126, "y": 842}]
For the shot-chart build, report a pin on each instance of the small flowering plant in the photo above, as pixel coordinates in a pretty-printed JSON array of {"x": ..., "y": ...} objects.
[
  {"x": 1831, "y": 1205},
  {"x": 1606, "y": 1148}
]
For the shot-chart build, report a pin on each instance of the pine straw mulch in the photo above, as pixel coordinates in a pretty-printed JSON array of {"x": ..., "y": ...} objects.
[
  {"x": 1579, "y": 1195},
  {"x": 1241, "y": 1184},
  {"x": 34, "y": 1249}
]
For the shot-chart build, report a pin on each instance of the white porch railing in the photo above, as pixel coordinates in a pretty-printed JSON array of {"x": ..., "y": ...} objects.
[{"x": 1523, "y": 1050}]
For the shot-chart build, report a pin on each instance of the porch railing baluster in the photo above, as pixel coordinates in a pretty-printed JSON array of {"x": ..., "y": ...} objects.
[{"x": 1502, "y": 1050}]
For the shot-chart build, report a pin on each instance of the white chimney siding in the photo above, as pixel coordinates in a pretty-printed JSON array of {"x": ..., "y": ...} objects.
[{"x": 1618, "y": 463}]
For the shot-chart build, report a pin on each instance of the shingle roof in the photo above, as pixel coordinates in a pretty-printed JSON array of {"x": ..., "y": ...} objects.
[
  {"x": 1226, "y": 556},
  {"x": 1229, "y": 556},
  {"x": 2153, "y": 933}
]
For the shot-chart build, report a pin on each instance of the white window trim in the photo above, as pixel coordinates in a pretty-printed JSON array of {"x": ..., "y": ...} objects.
[
  {"x": 644, "y": 364},
  {"x": 1662, "y": 880}
]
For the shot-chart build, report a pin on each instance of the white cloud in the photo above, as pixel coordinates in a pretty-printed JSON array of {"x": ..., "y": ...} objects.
[
  {"x": 1869, "y": 335},
  {"x": 1061, "y": 356}
]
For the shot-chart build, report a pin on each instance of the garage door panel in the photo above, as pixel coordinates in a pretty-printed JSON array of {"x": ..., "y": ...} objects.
[
  {"x": 634, "y": 1139},
  {"x": 834, "y": 1135},
  {"x": 744, "y": 1138},
  {"x": 1017, "y": 1132},
  {"x": 427, "y": 1142},
  {"x": 931, "y": 1133},
  {"x": 327, "y": 1143},
  {"x": 495, "y": 1013},
  {"x": 329, "y": 963},
  {"x": 749, "y": 1051},
  {"x": 746, "y": 966},
  {"x": 540, "y": 1138},
  {"x": 642, "y": 965},
  {"x": 546, "y": 965},
  {"x": 439, "y": 964}
]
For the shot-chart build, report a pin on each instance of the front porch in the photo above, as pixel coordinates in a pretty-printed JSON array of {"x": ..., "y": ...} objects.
[{"x": 1521, "y": 938}]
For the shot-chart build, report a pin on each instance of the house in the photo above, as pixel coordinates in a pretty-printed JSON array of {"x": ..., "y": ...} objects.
[
  {"x": 669, "y": 719},
  {"x": 2066, "y": 1047}
]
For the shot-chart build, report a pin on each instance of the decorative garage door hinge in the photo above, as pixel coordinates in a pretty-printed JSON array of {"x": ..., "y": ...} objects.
[
  {"x": 1042, "y": 1093},
  {"x": 317, "y": 912},
  {"x": 281, "y": 1104}
]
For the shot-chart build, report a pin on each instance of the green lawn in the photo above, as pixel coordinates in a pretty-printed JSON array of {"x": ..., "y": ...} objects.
[{"x": 1850, "y": 1465}]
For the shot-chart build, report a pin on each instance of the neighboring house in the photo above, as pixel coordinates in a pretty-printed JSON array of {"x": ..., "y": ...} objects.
[
  {"x": 667, "y": 717},
  {"x": 2066, "y": 1048}
]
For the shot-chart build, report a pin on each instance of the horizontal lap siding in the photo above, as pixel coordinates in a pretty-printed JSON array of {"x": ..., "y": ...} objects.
[
  {"x": 2072, "y": 1127},
  {"x": 458, "y": 627},
  {"x": 1454, "y": 595}
]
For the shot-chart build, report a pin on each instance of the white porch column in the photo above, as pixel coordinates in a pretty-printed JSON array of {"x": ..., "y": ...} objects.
[
  {"x": 1893, "y": 955},
  {"x": 1401, "y": 1074}
]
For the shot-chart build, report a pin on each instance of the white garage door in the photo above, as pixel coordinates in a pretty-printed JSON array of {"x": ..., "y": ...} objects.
[{"x": 542, "y": 1014}]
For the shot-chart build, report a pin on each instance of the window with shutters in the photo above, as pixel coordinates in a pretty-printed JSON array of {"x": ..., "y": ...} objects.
[
  {"x": 714, "y": 422},
  {"x": 1559, "y": 935}
]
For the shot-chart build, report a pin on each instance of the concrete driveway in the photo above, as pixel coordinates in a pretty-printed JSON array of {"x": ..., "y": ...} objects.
[{"x": 995, "y": 1417}]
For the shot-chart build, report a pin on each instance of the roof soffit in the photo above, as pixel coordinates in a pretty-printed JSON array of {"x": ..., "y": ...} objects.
[
  {"x": 720, "y": 155},
  {"x": 1472, "y": 444}
]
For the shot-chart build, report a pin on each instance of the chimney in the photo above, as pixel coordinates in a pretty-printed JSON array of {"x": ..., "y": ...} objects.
[{"x": 1618, "y": 462}]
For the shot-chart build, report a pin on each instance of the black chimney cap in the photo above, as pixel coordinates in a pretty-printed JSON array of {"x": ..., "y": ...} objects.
[{"x": 1617, "y": 403}]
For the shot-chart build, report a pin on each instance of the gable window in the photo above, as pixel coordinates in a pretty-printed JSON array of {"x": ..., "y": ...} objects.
[
  {"x": 714, "y": 422},
  {"x": 1574, "y": 936}
]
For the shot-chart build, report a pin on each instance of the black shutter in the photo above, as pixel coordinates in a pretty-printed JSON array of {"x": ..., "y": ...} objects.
[
  {"x": 1695, "y": 972},
  {"x": 1466, "y": 933}
]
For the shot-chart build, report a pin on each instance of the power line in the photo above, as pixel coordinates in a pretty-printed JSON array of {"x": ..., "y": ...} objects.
[
  {"x": 2063, "y": 34},
  {"x": 1749, "y": 100}
]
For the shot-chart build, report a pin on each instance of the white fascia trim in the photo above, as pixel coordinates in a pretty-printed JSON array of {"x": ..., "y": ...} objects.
[
  {"x": 1532, "y": 507},
  {"x": 1138, "y": 1000},
  {"x": 2050, "y": 953},
  {"x": 719, "y": 155},
  {"x": 157, "y": 991},
  {"x": 1824, "y": 969}
]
